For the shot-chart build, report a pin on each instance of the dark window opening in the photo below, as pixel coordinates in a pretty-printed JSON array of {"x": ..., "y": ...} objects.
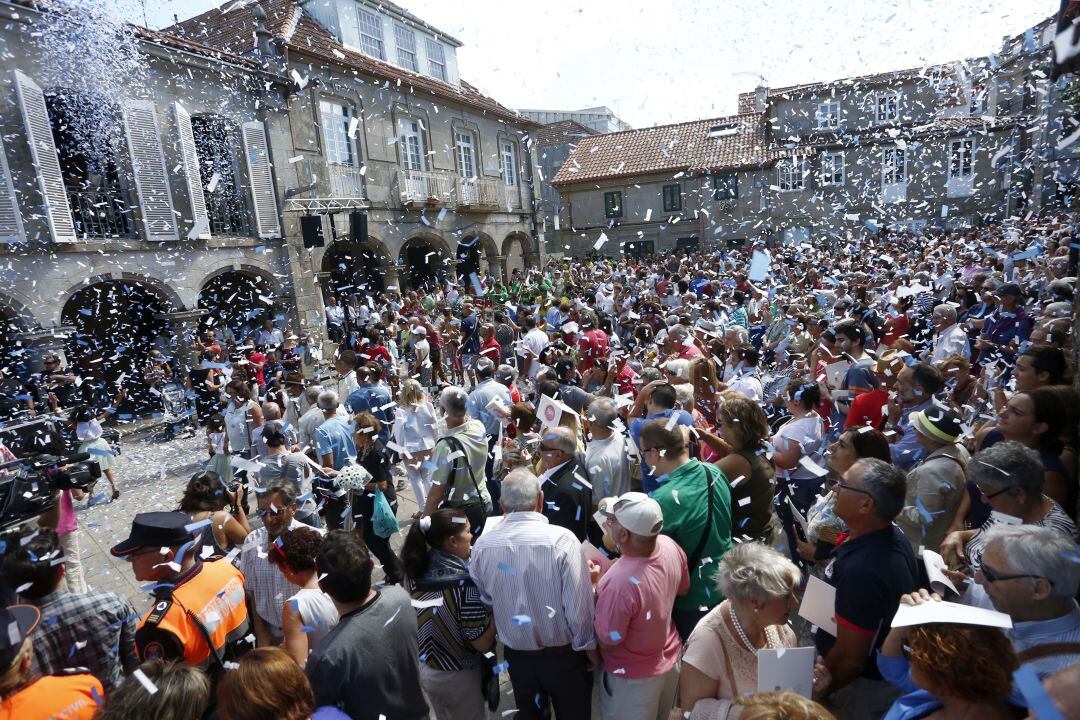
[{"x": 216, "y": 143}]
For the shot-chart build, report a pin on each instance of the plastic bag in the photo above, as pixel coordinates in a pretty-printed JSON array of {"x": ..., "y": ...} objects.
[{"x": 383, "y": 521}]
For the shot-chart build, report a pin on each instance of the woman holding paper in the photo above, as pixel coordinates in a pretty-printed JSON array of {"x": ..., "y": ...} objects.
[
  {"x": 720, "y": 663},
  {"x": 949, "y": 670},
  {"x": 453, "y": 626}
]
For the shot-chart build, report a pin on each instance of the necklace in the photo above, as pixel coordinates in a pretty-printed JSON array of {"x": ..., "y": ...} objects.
[{"x": 742, "y": 635}]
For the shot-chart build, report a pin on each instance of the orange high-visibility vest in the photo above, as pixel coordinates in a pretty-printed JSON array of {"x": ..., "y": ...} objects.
[
  {"x": 213, "y": 598},
  {"x": 58, "y": 697}
]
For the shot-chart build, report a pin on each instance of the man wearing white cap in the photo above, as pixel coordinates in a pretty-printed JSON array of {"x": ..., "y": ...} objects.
[{"x": 638, "y": 641}]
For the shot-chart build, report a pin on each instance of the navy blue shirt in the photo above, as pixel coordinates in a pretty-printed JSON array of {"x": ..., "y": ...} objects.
[
  {"x": 374, "y": 399},
  {"x": 870, "y": 573}
]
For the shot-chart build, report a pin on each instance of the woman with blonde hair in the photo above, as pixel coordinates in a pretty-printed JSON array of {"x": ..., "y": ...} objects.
[{"x": 414, "y": 433}]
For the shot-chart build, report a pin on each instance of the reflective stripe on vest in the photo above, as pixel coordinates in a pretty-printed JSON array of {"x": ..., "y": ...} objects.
[{"x": 213, "y": 597}]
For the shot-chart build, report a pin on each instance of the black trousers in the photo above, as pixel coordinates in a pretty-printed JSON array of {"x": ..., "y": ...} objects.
[
  {"x": 561, "y": 680},
  {"x": 363, "y": 508}
]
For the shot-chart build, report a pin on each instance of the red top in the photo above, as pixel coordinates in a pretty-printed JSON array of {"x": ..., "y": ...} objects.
[
  {"x": 260, "y": 370},
  {"x": 594, "y": 346},
  {"x": 900, "y": 325},
  {"x": 868, "y": 409},
  {"x": 376, "y": 353},
  {"x": 492, "y": 351}
]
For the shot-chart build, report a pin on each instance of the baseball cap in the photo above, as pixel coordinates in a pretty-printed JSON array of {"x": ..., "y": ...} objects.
[
  {"x": 156, "y": 529},
  {"x": 16, "y": 624},
  {"x": 419, "y": 330},
  {"x": 637, "y": 512}
]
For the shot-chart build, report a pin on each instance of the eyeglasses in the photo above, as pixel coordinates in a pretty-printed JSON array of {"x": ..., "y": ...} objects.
[
  {"x": 991, "y": 496},
  {"x": 546, "y": 448},
  {"x": 993, "y": 576},
  {"x": 852, "y": 488}
]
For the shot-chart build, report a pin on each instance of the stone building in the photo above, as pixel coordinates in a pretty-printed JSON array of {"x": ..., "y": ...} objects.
[
  {"x": 245, "y": 134},
  {"x": 599, "y": 119},
  {"x": 554, "y": 143},
  {"x": 943, "y": 146}
]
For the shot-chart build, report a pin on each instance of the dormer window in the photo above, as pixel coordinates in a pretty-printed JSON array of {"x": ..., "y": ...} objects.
[
  {"x": 725, "y": 130},
  {"x": 371, "y": 34},
  {"x": 436, "y": 57},
  {"x": 406, "y": 48},
  {"x": 887, "y": 107}
]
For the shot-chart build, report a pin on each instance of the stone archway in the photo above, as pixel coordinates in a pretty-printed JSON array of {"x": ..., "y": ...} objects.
[
  {"x": 352, "y": 268},
  {"x": 477, "y": 253},
  {"x": 115, "y": 323},
  {"x": 238, "y": 299},
  {"x": 426, "y": 260},
  {"x": 516, "y": 254}
]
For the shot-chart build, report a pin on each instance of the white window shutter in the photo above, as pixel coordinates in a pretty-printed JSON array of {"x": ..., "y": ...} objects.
[
  {"x": 263, "y": 196},
  {"x": 11, "y": 227},
  {"x": 190, "y": 160},
  {"x": 43, "y": 152},
  {"x": 151, "y": 177}
]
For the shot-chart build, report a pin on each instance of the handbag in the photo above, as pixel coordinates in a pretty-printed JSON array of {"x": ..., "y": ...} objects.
[
  {"x": 383, "y": 521},
  {"x": 489, "y": 679}
]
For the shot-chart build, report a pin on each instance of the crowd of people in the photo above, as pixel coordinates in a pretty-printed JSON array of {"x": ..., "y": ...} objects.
[{"x": 628, "y": 482}]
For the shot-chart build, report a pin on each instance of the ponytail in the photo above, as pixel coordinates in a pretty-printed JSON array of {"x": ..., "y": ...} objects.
[{"x": 426, "y": 534}]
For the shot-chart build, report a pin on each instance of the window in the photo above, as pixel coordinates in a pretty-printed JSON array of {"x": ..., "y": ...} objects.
[
  {"x": 508, "y": 154},
  {"x": 672, "y": 198},
  {"x": 961, "y": 165},
  {"x": 726, "y": 130},
  {"x": 371, "y": 37},
  {"x": 466, "y": 153},
  {"x": 337, "y": 146},
  {"x": 832, "y": 169},
  {"x": 436, "y": 60},
  {"x": 828, "y": 115},
  {"x": 894, "y": 166},
  {"x": 412, "y": 144},
  {"x": 406, "y": 48},
  {"x": 887, "y": 106},
  {"x": 725, "y": 187},
  {"x": 791, "y": 173},
  {"x": 217, "y": 146},
  {"x": 613, "y": 204},
  {"x": 977, "y": 104}
]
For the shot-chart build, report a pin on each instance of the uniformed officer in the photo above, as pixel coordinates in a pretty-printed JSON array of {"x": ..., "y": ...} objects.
[
  {"x": 199, "y": 613},
  {"x": 75, "y": 696}
]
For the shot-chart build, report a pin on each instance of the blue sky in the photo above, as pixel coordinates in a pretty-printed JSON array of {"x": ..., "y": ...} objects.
[{"x": 661, "y": 61}]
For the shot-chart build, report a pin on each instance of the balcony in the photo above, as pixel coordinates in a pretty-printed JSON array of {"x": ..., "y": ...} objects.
[
  {"x": 345, "y": 182},
  {"x": 98, "y": 213},
  {"x": 420, "y": 188},
  {"x": 484, "y": 195}
]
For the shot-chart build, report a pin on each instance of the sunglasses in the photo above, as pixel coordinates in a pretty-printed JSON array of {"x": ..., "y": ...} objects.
[
  {"x": 992, "y": 576},
  {"x": 991, "y": 496}
]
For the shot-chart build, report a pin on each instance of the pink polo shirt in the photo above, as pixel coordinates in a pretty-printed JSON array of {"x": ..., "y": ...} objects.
[
  {"x": 633, "y": 611},
  {"x": 689, "y": 352}
]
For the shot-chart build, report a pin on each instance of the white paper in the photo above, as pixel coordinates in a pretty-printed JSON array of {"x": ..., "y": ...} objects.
[
  {"x": 786, "y": 669},
  {"x": 836, "y": 372},
  {"x": 759, "y": 267},
  {"x": 593, "y": 553},
  {"x": 938, "y": 580},
  {"x": 819, "y": 604},
  {"x": 548, "y": 412},
  {"x": 799, "y": 518},
  {"x": 812, "y": 466},
  {"x": 948, "y": 612}
]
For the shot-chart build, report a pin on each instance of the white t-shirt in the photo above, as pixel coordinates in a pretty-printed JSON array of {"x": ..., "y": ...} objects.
[
  {"x": 535, "y": 342},
  {"x": 808, "y": 433}
]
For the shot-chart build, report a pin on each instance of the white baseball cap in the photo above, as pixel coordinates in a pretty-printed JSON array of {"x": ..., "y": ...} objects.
[{"x": 637, "y": 512}]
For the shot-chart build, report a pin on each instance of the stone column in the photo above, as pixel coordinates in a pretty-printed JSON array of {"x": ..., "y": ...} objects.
[
  {"x": 40, "y": 342},
  {"x": 185, "y": 326},
  {"x": 497, "y": 264},
  {"x": 390, "y": 276}
]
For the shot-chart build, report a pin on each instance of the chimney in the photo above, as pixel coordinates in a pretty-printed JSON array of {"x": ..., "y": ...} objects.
[
  {"x": 761, "y": 98},
  {"x": 262, "y": 34}
]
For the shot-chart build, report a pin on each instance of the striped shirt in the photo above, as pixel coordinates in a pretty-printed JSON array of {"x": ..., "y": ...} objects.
[
  {"x": 447, "y": 622},
  {"x": 536, "y": 578},
  {"x": 266, "y": 584}
]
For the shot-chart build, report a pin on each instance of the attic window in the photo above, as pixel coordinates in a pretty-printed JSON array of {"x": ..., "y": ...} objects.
[{"x": 719, "y": 131}]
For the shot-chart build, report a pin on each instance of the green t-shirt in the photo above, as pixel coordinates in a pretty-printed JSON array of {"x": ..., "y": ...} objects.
[{"x": 682, "y": 497}]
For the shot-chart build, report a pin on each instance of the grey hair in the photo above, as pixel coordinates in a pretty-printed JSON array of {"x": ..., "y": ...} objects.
[
  {"x": 520, "y": 490},
  {"x": 1008, "y": 465},
  {"x": 312, "y": 394},
  {"x": 1040, "y": 551},
  {"x": 561, "y": 438},
  {"x": 453, "y": 401},
  {"x": 679, "y": 368},
  {"x": 271, "y": 411},
  {"x": 684, "y": 395},
  {"x": 678, "y": 331},
  {"x": 946, "y": 311},
  {"x": 741, "y": 333},
  {"x": 754, "y": 570},
  {"x": 328, "y": 400},
  {"x": 602, "y": 412},
  {"x": 886, "y": 485}
]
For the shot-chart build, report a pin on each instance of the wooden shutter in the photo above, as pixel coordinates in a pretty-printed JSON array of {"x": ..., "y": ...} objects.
[
  {"x": 11, "y": 227},
  {"x": 263, "y": 197},
  {"x": 151, "y": 177},
  {"x": 43, "y": 152},
  {"x": 190, "y": 159}
]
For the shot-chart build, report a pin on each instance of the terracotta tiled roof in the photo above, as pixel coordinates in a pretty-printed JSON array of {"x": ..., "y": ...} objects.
[
  {"x": 738, "y": 142},
  {"x": 235, "y": 30},
  {"x": 562, "y": 131}
]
